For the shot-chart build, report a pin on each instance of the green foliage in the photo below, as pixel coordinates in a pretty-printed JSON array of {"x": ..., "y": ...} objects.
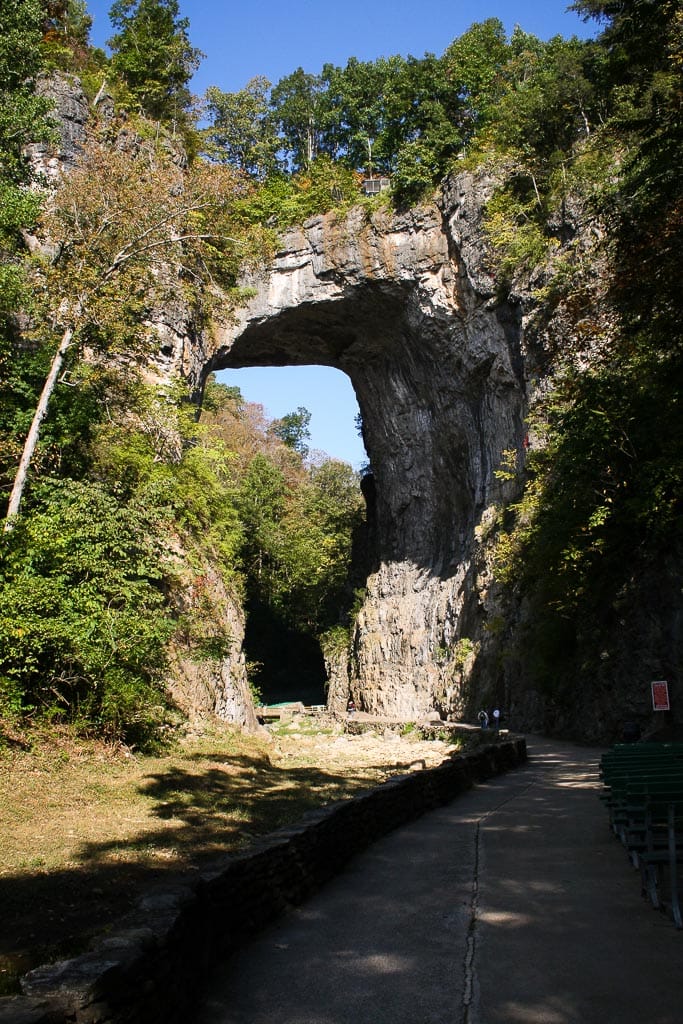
[
  {"x": 82, "y": 621},
  {"x": 474, "y": 64},
  {"x": 549, "y": 102},
  {"x": 516, "y": 228},
  {"x": 603, "y": 499},
  {"x": 66, "y": 35},
  {"x": 335, "y": 641},
  {"x": 283, "y": 200},
  {"x": 119, "y": 221},
  {"x": 293, "y": 430},
  {"x": 298, "y": 104},
  {"x": 297, "y": 544},
  {"x": 463, "y": 650},
  {"x": 242, "y": 132},
  {"x": 22, "y": 113},
  {"x": 88, "y": 577},
  {"x": 153, "y": 54},
  {"x": 23, "y": 119}
]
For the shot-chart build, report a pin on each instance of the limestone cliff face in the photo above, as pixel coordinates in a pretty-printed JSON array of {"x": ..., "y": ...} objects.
[
  {"x": 208, "y": 673},
  {"x": 404, "y": 305}
]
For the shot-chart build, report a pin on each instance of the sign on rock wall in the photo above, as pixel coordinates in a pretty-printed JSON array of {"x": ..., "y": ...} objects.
[{"x": 660, "y": 695}]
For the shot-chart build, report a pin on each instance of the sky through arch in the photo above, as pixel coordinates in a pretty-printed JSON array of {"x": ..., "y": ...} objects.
[{"x": 326, "y": 393}]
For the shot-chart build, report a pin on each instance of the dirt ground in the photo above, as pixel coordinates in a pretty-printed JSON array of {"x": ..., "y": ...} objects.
[{"x": 85, "y": 828}]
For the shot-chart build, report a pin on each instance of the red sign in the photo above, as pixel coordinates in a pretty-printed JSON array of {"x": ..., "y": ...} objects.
[{"x": 660, "y": 695}]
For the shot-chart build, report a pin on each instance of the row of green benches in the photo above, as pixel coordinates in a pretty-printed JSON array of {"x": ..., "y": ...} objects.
[{"x": 644, "y": 794}]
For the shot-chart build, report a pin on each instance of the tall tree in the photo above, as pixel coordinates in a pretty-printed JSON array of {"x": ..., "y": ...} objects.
[
  {"x": 242, "y": 131},
  {"x": 474, "y": 63},
  {"x": 300, "y": 110},
  {"x": 126, "y": 226},
  {"x": 549, "y": 101},
  {"x": 153, "y": 54},
  {"x": 356, "y": 98},
  {"x": 293, "y": 430}
]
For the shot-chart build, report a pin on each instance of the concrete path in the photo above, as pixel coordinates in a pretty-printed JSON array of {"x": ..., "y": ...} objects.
[{"x": 513, "y": 905}]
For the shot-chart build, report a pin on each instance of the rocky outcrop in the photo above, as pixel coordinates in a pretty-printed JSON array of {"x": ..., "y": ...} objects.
[
  {"x": 208, "y": 672},
  {"x": 442, "y": 366},
  {"x": 70, "y": 115},
  {"x": 404, "y": 305}
]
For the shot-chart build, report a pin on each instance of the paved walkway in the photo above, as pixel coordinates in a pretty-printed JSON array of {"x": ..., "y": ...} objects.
[{"x": 513, "y": 905}]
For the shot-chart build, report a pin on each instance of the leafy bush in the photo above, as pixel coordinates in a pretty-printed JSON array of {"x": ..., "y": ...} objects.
[
  {"x": 83, "y": 621},
  {"x": 283, "y": 200}
]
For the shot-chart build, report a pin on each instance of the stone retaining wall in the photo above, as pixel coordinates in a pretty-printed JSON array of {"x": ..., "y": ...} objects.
[{"x": 152, "y": 970}]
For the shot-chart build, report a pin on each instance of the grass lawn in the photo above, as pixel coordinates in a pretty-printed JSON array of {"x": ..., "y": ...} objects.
[{"x": 85, "y": 828}]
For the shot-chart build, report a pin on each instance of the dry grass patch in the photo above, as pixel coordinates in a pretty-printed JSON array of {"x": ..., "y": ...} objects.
[{"x": 86, "y": 827}]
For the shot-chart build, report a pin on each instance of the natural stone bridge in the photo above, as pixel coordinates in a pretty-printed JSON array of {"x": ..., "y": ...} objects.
[{"x": 405, "y": 306}]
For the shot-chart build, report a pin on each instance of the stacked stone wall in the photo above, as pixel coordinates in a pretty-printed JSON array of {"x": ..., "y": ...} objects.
[{"x": 154, "y": 968}]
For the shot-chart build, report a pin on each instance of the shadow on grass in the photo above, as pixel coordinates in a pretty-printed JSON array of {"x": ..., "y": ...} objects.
[{"x": 202, "y": 814}]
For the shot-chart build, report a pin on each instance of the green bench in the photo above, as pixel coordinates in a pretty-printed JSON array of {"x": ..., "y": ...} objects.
[{"x": 643, "y": 791}]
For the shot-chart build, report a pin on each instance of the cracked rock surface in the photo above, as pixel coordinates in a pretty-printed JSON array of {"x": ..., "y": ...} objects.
[{"x": 403, "y": 305}]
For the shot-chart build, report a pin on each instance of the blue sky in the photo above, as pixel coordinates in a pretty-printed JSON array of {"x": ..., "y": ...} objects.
[{"x": 243, "y": 38}]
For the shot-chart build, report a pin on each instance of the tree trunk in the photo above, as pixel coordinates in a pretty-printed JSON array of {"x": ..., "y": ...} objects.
[{"x": 32, "y": 436}]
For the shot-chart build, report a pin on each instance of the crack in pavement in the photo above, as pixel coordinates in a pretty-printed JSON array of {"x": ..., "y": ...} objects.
[{"x": 469, "y": 965}]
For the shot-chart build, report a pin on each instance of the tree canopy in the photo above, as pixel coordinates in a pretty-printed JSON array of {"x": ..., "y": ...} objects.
[{"x": 153, "y": 54}]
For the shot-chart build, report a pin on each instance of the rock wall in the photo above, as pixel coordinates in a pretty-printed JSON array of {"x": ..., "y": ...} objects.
[
  {"x": 442, "y": 368},
  {"x": 208, "y": 674},
  {"x": 404, "y": 305}
]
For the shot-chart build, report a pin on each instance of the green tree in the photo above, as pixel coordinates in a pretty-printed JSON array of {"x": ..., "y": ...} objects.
[
  {"x": 637, "y": 35},
  {"x": 83, "y": 626},
  {"x": 424, "y": 130},
  {"x": 549, "y": 103},
  {"x": 119, "y": 224},
  {"x": 153, "y": 54},
  {"x": 22, "y": 120},
  {"x": 66, "y": 32},
  {"x": 260, "y": 501},
  {"x": 643, "y": 47},
  {"x": 293, "y": 430},
  {"x": 596, "y": 537},
  {"x": 357, "y": 111},
  {"x": 299, "y": 105},
  {"x": 241, "y": 131},
  {"x": 474, "y": 63},
  {"x": 22, "y": 113},
  {"x": 311, "y": 588}
]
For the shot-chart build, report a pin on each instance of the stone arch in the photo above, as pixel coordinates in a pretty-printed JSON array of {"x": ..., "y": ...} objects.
[{"x": 401, "y": 306}]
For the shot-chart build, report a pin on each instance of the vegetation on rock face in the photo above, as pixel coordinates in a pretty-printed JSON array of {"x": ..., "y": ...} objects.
[
  {"x": 122, "y": 476},
  {"x": 119, "y": 478},
  {"x": 594, "y": 546}
]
